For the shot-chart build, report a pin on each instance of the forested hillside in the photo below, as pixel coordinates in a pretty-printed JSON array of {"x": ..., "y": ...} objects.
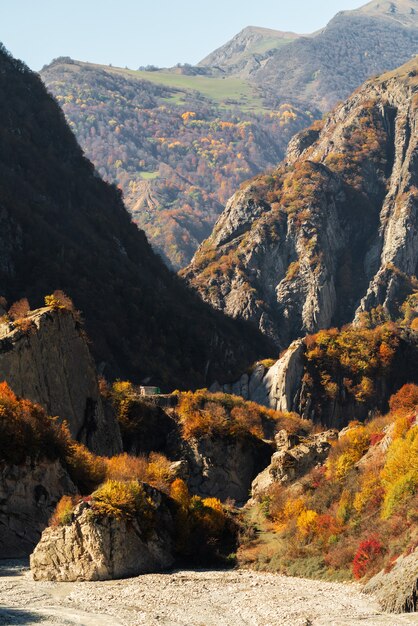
[
  {"x": 62, "y": 227},
  {"x": 177, "y": 145}
]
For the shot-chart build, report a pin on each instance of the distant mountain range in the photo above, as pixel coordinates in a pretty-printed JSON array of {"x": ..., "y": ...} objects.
[
  {"x": 325, "y": 67},
  {"x": 178, "y": 142}
]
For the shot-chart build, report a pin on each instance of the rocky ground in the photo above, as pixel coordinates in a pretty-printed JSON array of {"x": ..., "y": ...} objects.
[{"x": 187, "y": 598}]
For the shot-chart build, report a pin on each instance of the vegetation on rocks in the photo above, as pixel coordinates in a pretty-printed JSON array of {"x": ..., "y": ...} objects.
[
  {"x": 27, "y": 431},
  {"x": 205, "y": 414},
  {"x": 354, "y": 356},
  {"x": 355, "y": 514}
]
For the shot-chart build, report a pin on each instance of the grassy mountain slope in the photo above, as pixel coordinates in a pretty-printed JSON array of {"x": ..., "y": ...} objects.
[
  {"x": 177, "y": 144},
  {"x": 62, "y": 227},
  {"x": 326, "y": 66},
  {"x": 247, "y": 47}
]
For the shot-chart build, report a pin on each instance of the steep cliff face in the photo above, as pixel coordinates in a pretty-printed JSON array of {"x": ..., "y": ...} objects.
[
  {"x": 224, "y": 468},
  {"x": 50, "y": 363},
  {"x": 277, "y": 386},
  {"x": 334, "y": 230},
  {"x": 335, "y": 376},
  {"x": 28, "y": 496}
]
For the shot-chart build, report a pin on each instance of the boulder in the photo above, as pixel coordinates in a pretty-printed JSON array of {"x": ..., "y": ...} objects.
[
  {"x": 105, "y": 548},
  {"x": 294, "y": 458}
]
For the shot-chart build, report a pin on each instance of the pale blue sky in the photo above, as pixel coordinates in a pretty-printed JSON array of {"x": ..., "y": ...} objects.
[{"x": 141, "y": 32}]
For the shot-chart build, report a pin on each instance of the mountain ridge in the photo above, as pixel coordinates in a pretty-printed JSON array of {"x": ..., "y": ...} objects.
[{"x": 331, "y": 235}]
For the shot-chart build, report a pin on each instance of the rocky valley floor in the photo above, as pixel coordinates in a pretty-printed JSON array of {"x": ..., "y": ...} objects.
[{"x": 192, "y": 598}]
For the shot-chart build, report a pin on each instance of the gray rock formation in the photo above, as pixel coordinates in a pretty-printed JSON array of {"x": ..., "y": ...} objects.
[
  {"x": 28, "y": 496},
  {"x": 397, "y": 590},
  {"x": 103, "y": 549},
  {"x": 294, "y": 458},
  {"x": 225, "y": 467},
  {"x": 333, "y": 232},
  {"x": 276, "y": 387},
  {"x": 50, "y": 363}
]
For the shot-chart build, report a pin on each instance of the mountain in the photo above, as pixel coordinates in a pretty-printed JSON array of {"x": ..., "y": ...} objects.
[
  {"x": 323, "y": 68},
  {"x": 176, "y": 143},
  {"x": 245, "y": 51},
  {"x": 179, "y": 141},
  {"x": 62, "y": 227},
  {"x": 401, "y": 11},
  {"x": 332, "y": 233}
]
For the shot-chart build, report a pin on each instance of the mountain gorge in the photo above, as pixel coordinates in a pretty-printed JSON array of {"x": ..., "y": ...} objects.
[
  {"x": 63, "y": 227},
  {"x": 176, "y": 145},
  {"x": 259, "y": 408},
  {"x": 332, "y": 233}
]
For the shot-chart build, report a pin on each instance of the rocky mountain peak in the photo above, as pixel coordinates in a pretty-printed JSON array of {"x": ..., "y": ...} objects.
[
  {"x": 402, "y": 11},
  {"x": 331, "y": 233}
]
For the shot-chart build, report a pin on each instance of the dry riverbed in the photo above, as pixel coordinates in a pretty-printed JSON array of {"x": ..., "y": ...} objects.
[{"x": 187, "y": 598}]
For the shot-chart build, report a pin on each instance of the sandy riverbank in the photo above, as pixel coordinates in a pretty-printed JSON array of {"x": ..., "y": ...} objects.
[{"x": 187, "y": 598}]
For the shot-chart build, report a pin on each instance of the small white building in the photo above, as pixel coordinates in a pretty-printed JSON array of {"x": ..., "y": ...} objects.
[{"x": 149, "y": 391}]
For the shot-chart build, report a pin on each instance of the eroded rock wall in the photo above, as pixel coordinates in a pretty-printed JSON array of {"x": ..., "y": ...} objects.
[
  {"x": 28, "y": 495},
  {"x": 50, "y": 363}
]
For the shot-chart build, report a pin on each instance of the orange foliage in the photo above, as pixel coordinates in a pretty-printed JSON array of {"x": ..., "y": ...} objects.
[
  {"x": 19, "y": 309},
  {"x": 63, "y": 511},
  {"x": 204, "y": 414}
]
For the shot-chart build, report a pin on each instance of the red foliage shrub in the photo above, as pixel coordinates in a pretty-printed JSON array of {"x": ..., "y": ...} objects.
[
  {"x": 375, "y": 438},
  {"x": 366, "y": 555},
  {"x": 19, "y": 309}
]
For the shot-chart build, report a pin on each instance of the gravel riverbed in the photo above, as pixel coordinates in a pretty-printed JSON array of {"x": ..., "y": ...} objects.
[{"x": 187, "y": 598}]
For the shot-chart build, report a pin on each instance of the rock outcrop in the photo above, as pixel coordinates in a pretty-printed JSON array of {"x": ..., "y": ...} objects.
[
  {"x": 294, "y": 458},
  {"x": 49, "y": 362},
  {"x": 333, "y": 232},
  {"x": 397, "y": 589},
  {"x": 225, "y": 467},
  {"x": 106, "y": 548},
  {"x": 297, "y": 382},
  {"x": 28, "y": 496},
  {"x": 276, "y": 387}
]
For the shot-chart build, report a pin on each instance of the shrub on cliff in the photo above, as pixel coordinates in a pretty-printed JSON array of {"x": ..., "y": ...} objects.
[
  {"x": 59, "y": 300},
  {"x": 205, "y": 414},
  {"x": 26, "y": 431},
  {"x": 122, "y": 500},
  {"x": 154, "y": 469},
  {"x": 355, "y": 356}
]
